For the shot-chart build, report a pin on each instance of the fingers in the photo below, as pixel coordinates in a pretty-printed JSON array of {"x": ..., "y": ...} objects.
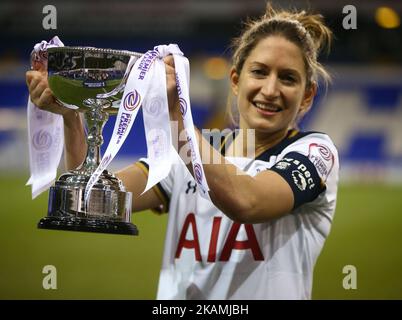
[
  {"x": 47, "y": 99},
  {"x": 39, "y": 90},
  {"x": 169, "y": 64},
  {"x": 36, "y": 84},
  {"x": 34, "y": 77},
  {"x": 171, "y": 82},
  {"x": 169, "y": 60},
  {"x": 43, "y": 96},
  {"x": 39, "y": 65},
  {"x": 29, "y": 75}
]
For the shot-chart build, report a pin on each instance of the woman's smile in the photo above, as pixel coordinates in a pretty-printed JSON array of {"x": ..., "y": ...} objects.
[{"x": 267, "y": 109}]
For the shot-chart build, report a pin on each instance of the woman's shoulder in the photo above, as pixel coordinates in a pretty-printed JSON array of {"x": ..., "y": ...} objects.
[
  {"x": 319, "y": 149},
  {"x": 300, "y": 141},
  {"x": 304, "y": 136},
  {"x": 309, "y": 140}
]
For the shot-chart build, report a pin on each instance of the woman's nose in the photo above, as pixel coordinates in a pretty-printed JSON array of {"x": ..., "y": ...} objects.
[{"x": 270, "y": 87}]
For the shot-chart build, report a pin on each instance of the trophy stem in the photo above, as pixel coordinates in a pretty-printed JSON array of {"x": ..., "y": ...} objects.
[{"x": 96, "y": 119}]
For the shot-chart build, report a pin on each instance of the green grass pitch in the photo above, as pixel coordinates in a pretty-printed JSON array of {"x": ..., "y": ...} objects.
[{"x": 366, "y": 233}]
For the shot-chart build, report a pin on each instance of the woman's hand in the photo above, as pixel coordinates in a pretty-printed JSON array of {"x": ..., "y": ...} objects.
[
  {"x": 173, "y": 99},
  {"x": 43, "y": 98},
  {"x": 41, "y": 95}
]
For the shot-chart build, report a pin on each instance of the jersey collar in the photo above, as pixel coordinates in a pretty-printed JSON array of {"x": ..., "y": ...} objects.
[{"x": 292, "y": 136}]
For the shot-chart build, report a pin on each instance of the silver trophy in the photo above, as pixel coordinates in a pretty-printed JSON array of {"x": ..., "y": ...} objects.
[{"x": 92, "y": 81}]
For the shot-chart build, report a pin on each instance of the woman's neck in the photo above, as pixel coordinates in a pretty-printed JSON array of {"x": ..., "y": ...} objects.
[{"x": 250, "y": 143}]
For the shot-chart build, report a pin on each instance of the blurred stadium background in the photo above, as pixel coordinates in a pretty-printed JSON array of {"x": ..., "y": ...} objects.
[{"x": 362, "y": 112}]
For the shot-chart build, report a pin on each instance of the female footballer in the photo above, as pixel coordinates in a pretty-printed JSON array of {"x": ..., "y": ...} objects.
[{"x": 268, "y": 216}]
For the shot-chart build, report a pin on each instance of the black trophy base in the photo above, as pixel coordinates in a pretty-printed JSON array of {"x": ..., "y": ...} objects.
[{"x": 87, "y": 225}]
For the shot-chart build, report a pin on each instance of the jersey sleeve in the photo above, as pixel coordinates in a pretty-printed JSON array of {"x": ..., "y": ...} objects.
[
  {"x": 163, "y": 189},
  {"x": 307, "y": 165}
]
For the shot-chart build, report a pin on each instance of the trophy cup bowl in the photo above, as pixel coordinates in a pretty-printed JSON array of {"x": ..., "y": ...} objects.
[{"x": 90, "y": 80}]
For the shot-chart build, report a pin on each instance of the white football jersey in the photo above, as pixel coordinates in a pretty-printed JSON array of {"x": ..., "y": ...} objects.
[{"x": 208, "y": 256}]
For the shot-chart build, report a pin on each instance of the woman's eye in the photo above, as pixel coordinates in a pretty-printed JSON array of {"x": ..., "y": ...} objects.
[
  {"x": 258, "y": 72},
  {"x": 289, "y": 79}
]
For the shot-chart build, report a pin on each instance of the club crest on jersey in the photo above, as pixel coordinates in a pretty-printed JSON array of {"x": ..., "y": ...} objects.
[
  {"x": 131, "y": 101},
  {"x": 322, "y": 158}
]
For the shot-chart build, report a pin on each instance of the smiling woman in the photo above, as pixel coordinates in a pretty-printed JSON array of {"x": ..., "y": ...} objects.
[
  {"x": 280, "y": 49},
  {"x": 273, "y": 87},
  {"x": 261, "y": 231}
]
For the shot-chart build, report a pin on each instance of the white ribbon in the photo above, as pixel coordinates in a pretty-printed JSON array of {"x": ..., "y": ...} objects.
[
  {"x": 182, "y": 67},
  {"x": 45, "y": 133},
  {"x": 146, "y": 86},
  {"x": 131, "y": 101},
  {"x": 157, "y": 124}
]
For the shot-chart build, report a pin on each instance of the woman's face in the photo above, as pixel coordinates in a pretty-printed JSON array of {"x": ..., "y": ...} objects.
[{"x": 271, "y": 88}]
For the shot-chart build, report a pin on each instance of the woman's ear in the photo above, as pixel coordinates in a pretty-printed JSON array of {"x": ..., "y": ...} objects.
[
  {"x": 308, "y": 98},
  {"x": 234, "y": 81}
]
